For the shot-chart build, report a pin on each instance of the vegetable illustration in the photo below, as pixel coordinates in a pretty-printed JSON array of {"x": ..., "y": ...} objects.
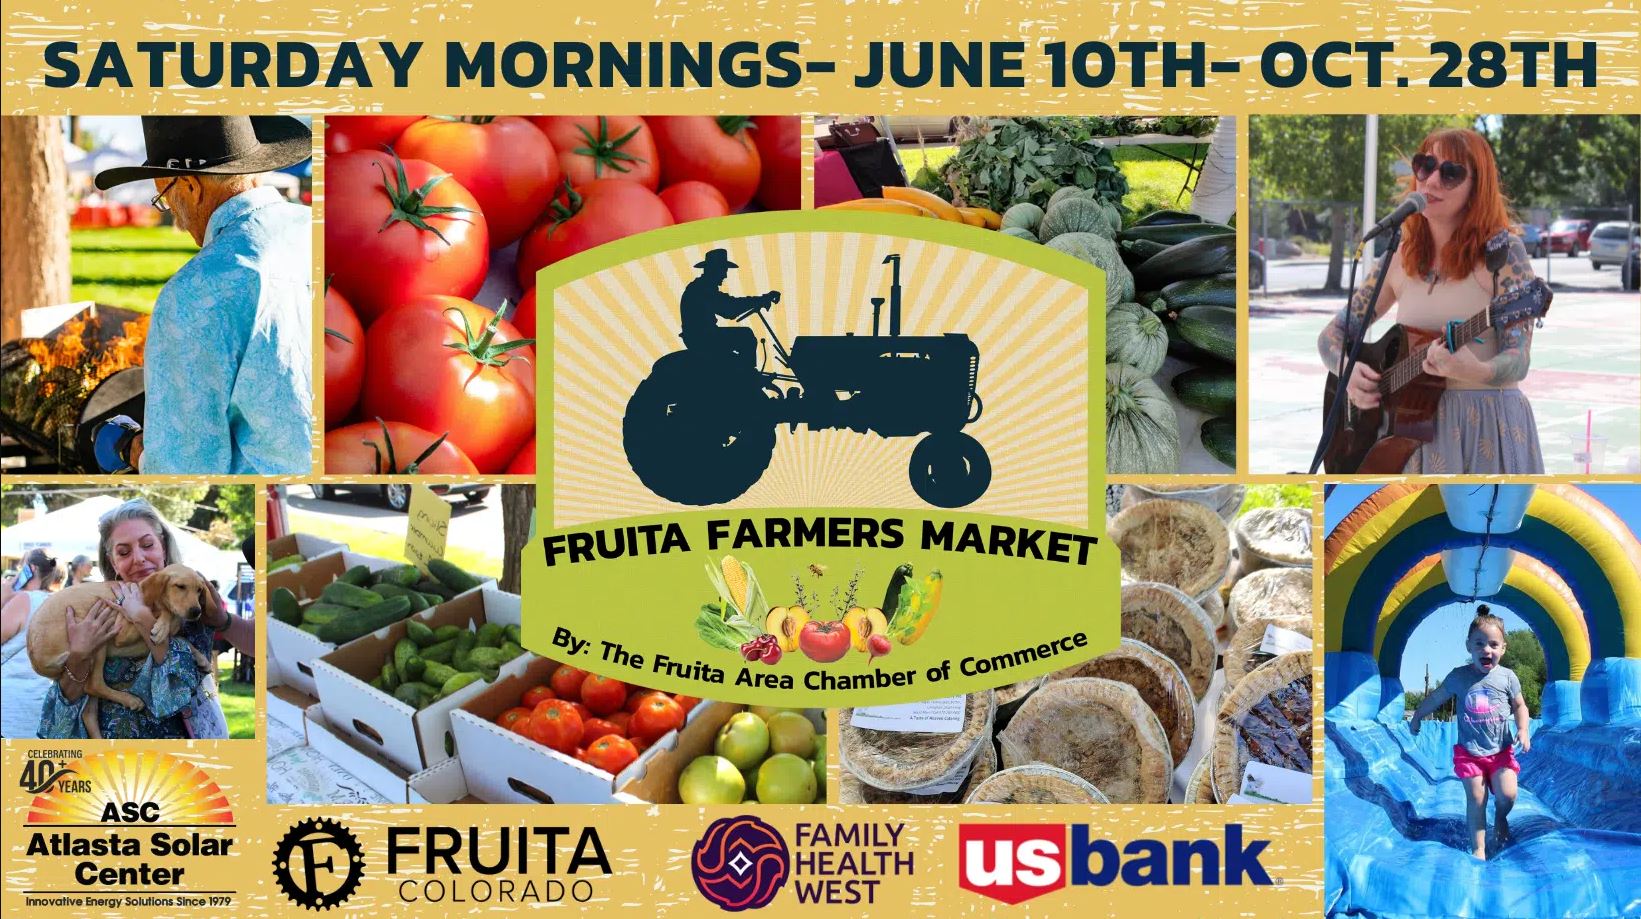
[{"x": 919, "y": 601}]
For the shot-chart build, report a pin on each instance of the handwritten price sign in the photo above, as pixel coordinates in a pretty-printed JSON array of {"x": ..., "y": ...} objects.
[{"x": 428, "y": 526}]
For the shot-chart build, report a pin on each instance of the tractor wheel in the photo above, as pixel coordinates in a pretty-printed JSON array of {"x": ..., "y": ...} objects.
[
  {"x": 693, "y": 441},
  {"x": 950, "y": 469}
]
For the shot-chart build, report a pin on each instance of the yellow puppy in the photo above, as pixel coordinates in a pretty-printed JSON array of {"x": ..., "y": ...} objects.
[{"x": 174, "y": 595}]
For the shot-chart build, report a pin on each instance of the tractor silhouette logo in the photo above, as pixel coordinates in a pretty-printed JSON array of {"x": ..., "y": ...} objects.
[{"x": 700, "y": 429}]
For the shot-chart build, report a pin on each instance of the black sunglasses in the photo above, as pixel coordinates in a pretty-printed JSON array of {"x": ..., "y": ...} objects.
[{"x": 1452, "y": 174}]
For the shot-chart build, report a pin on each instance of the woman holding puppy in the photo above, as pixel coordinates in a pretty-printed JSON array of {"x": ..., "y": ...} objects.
[{"x": 179, "y": 701}]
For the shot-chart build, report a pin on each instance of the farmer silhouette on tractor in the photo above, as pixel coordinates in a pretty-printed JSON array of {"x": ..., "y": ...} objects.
[
  {"x": 703, "y": 303},
  {"x": 700, "y": 429}
]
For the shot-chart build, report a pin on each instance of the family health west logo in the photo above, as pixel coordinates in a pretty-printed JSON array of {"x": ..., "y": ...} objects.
[
  {"x": 1014, "y": 862},
  {"x": 740, "y": 863}
]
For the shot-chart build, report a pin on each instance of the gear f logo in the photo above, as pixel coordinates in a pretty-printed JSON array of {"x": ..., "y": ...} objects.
[{"x": 310, "y": 858}]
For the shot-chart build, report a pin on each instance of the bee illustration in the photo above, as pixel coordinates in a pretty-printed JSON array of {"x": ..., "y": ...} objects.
[{"x": 817, "y": 570}]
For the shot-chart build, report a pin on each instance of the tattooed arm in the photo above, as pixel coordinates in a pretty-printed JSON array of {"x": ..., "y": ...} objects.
[
  {"x": 1511, "y": 363},
  {"x": 1363, "y": 389}
]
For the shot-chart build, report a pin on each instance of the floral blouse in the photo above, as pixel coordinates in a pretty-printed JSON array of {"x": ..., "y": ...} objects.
[{"x": 165, "y": 690}]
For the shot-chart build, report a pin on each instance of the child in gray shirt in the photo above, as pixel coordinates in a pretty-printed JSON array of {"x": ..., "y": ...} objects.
[{"x": 1490, "y": 698}]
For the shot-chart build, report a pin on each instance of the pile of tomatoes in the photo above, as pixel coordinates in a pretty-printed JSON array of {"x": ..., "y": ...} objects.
[
  {"x": 418, "y": 377},
  {"x": 605, "y": 723}
]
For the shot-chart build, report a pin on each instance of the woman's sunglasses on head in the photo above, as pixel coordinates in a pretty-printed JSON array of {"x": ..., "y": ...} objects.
[{"x": 1452, "y": 174}]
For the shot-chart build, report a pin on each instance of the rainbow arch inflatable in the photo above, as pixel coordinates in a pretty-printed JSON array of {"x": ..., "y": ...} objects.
[{"x": 1569, "y": 567}]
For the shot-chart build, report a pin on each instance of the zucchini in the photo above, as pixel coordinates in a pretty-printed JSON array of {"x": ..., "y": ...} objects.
[
  {"x": 1209, "y": 291},
  {"x": 1172, "y": 233},
  {"x": 1207, "y": 389},
  {"x": 344, "y": 594},
  {"x": 1211, "y": 328},
  {"x": 1166, "y": 218},
  {"x": 358, "y": 576},
  {"x": 451, "y": 576},
  {"x": 431, "y": 586},
  {"x": 355, "y": 623},
  {"x": 1134, "y": 252},
  {"x": 1219, "y": 439},
  {"x": 282, "y": 604},
  {"x": 891, "y": 597},
  {"x": 1193, "y": 258}
]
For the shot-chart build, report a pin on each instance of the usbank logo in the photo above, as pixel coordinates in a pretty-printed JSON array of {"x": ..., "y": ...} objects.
[
  {"x": 740, "y": 863},
  {"x": 1014, "y": 862}
]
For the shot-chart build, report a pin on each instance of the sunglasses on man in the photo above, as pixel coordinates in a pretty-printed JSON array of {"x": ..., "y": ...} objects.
[{"x": 1452, "y": 174}]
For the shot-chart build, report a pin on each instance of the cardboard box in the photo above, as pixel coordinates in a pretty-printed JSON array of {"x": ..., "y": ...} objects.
[
  {"x": 413, "y": 739},
  {"x": 308, "y": 546},
  {"x": 290, "y": 649},
  {"x": 440, "y": 784},
  {"x": 505, "y": 768},
  {"x": 286, "y": 704}
]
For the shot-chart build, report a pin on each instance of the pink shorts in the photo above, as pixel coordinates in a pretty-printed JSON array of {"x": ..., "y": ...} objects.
[{"x": 1465, "y": 765}]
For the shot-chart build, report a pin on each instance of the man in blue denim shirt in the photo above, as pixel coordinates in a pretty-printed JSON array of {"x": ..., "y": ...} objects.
[{"x": 227, "y": 367}]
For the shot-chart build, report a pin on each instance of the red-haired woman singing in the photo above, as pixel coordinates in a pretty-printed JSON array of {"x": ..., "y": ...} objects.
[{"x": 1484, "y": 424}]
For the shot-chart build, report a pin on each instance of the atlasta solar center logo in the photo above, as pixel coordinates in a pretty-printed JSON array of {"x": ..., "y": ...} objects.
[{"x": 740, "y": 863}]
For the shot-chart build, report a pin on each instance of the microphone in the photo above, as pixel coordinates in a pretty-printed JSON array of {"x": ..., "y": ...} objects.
[{"x": 1413, "y": 204}]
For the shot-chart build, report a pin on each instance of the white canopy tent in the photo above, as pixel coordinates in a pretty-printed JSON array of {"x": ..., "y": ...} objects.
[{"x": 72, "y": 531}]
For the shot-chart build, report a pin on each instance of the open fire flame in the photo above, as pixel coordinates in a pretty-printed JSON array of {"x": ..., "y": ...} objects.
[{"x": 68, "y": 349}]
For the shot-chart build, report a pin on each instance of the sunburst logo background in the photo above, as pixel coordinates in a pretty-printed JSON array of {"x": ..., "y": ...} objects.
[
  {"x": 1031, "y": 328},
  {"x": 184, "y": 793}
]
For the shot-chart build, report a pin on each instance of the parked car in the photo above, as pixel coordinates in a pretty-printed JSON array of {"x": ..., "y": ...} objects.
[
  {"x": 1534, "y": 238},
  {"x": 397, "y": 496},
  {"x": 1612, "y": 241},
  {"x": 1571, "y": 236}
]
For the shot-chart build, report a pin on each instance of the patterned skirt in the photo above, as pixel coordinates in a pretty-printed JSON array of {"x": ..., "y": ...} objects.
[{"x": 1481, "y": 432}]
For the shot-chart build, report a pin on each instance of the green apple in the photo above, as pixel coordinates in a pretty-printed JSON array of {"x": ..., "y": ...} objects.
[
  {"x": 786, "y": 779},
  {"x": 820, "y": 772},
  {"x": 790, "y": 732},
  {"x": 711, "y": 780},
  {"x": 768, "y": 711},
  {"x": 743, "y": 740}
]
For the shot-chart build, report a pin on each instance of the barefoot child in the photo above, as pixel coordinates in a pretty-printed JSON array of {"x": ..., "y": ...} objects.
[{"x": 1489, "y": 694}]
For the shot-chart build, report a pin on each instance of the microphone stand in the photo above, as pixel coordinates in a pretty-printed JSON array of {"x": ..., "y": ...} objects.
[{"x": 1357, "y": 334}]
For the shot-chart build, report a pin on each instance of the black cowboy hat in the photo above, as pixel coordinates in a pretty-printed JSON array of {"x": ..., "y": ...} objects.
[
  {"x": 183, "y": 145},
  {"x": 716, "y": 258}
]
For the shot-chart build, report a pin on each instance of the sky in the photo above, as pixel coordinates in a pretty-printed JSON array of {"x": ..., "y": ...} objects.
[{"x": 1438, "y": 641}]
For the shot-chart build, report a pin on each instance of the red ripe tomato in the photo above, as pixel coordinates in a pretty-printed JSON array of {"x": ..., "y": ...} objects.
[
  {"x": 621, "y": 720},
  {"x": 344, "y": 358},
  {"x": 715, "y": 150},
  {"x": 582, "y": 710},
  {"x": 658, "y": 715},
  {"x": 594, "y": 728},
  {"x": 594, "y": 147},
  {"x": 780, "y": 152},
  {"x": 396, "y": 229},
  {"x": 448, "y": 364},
  {"x": 688, "y": 703},
  {"x": 536, "y": 695},
  {"x": 367, "y": 449},
  {"x": 591, "y": 215},
  {"x": 522, "y": 727},
  {"x": 602, "y": 694},
  {"x": 694, "y": 201},
  {"x": 504, "y": 161},
  {"x": 566, "y": 682},
  {"x": 641, "y": 743},
  {"x": 610, "y": 753},
  {"x": 524, "y": 462},
  {"x": 524, "y": 314},
  {"x": 508, "y": 718},
  {"x": 348, "y": 133},
  {"x": 555, "y": 724}
]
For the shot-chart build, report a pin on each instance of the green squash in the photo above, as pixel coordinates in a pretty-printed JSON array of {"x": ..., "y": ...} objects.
[
  {"x": 1135, "y": 336},
  {"x": 1098, "y": 250},
  {"x": 1064, "y": 192},
  {"x": 1141, "y": 428},
  {"x": 1025, "y": 216},
  {"x": 1075, "y": 215},
  {"x": 1019, "y": 233}
]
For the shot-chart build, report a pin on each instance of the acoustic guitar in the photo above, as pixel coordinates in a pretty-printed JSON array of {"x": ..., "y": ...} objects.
[{"x": 1380, "y": 441}]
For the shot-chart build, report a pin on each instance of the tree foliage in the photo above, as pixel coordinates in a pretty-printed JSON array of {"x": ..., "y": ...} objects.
[
  {"x": 1569, "y": 161},
  {"x": 1524, "y": 655}
]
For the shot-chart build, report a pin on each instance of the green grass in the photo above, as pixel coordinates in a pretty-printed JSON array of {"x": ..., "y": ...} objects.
[
  {"x": 1276, "y": 496},
  {"x": 126, "y": 266},
  {"x": 239, "y": 706},
  {"x": 364, "y": 540},
  {"x": 1154, "y": 180}
]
